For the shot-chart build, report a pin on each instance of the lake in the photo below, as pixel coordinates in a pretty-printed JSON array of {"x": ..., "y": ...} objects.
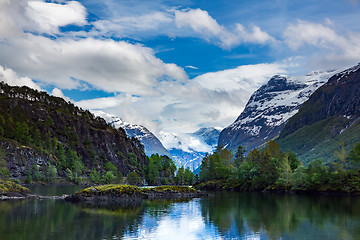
[{"x": 222, "y": 216}]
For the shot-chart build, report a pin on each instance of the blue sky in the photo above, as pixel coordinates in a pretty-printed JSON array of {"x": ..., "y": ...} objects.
[{"x": 172, "y": 66}]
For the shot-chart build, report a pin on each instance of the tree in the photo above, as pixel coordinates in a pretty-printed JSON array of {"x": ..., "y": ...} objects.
[
  {"x": 133, "y": 178},
  {"x": 4, "y": 171},
  {"x": 273, "y": 149},
  {"x": 60, "y": 153},
  {"x": 180, "y": 176},
  {"x": 152, "y": 171},
  {"x": 109, "y": 166},
  {"x": 293, "y": 160},
  {"x": 109, "y": 177},
  {"x": 341, "y": 155},
  {"x": 37, "y": 138},
  {"x": 239, "y": 156},
  {"x": 354, "y": 155},
  {"x": 52, "y": 173},
  {"x": 95, "y": 176},
  {"x": 189, "y": 177}
]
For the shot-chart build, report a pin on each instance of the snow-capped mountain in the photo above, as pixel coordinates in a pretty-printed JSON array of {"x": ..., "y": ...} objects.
[
  {"x": 151, "y": 143},
  {"x": 329, "y": 117},
  {"x": 269, "y": 108},
  {"x": 188, "y": 150},
  {"x": 208, "y": 135}
]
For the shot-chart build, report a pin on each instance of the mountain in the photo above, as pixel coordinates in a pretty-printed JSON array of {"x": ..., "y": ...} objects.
[
  {"x": 39, "y": 131},
  {"x": 188, "y": 159},
  {"x": 151, "y": 143},
  {"x": 269, "y": 108},
  {"x": 209, "y": 135},
  {"x": 330, "y": 116},
  {"x": 189, "y": 150}
]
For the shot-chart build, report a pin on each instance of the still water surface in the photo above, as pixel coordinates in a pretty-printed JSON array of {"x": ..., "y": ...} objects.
[{"x": 222, "y": 216}]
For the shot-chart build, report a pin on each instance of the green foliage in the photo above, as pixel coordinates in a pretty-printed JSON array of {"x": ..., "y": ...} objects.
[
  {"x": 109, "y": 177},
  {"x": 239, "y": 156},
  {"x": 52, "y": 173},
  {"x": 354, "y": 155},
  {"x": 56, "y": 129},
  {"x": 133, "y": 178},
  {"x": 95, "y": 176},
  {"x": 133, "y": 159},
  {"x": 109, "y": 166},
  {"x": 36, "y": 173},
  {"x": 318, "y": 140},
  {"x": 160, "y": 170},
  {"x": 272, "y": 169},
  {"x": 216, "y": 166},
  {"x": 4, "y": 171}
]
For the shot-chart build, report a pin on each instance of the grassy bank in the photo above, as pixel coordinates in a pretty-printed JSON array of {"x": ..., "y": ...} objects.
[{"x": 10, "y": 188}]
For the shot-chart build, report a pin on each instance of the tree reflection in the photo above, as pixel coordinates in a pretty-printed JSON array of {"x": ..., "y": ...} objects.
[{"x": 283, "y": 215}]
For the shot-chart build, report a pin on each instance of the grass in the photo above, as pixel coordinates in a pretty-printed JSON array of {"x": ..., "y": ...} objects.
[
  {"x": 11, "y": 187},
  {"x": 319, "y": 141}
]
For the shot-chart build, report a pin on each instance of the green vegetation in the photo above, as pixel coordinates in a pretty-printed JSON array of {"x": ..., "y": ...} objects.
[
  {"x": 117, "y": 189},
  {"x": 311, "y": 143},
  {"x": 111, "y": 188},
  {"x": 4, "y": 171},
  {"x": 183, "y": 189},
  {"x": 161, "y": 171},
  {"x": 271, "y": 169},
  {"x": 68, "y": 142},
  {"x": 10, "y": 187}
]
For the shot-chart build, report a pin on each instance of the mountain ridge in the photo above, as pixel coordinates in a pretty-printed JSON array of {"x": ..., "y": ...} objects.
[
  {"x": 328, "y": 120},
  {"x": 151, "y": 143},
  {"x": 269, "y": 108}
]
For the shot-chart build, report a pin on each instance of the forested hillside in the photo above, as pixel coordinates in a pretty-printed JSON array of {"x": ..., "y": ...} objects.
[{"x": 42, "y": 136}]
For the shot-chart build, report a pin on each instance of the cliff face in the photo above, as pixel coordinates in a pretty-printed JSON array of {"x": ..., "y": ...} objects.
[{"x": 39, "y": 129}]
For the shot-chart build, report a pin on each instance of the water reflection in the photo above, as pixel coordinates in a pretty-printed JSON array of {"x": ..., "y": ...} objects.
[{"x": 222, "y": 216}]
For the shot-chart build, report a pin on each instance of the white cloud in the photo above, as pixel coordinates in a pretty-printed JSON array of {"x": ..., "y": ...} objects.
[
  {"x": 208, "y": 28},
  {"x": 334, "y": 49},
  {"x": 192, "y": 67},
  {"x": 48, "y": 17},
  {"x": 38, "y": 16},
  {"x": 213, "y": 99},
  {"x": 171, "y": 22},
  {"x": 10, "y": 77},
  {"x": 133, "y": 25},
  {"x": 56, "y": 92},
  {"x": 246, "y": 78}
]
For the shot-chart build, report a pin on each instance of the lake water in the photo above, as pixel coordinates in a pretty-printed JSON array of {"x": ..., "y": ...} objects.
[{"x": 221, "y": 216}]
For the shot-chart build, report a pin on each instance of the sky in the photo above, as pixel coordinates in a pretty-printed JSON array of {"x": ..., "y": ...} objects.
[{"x": 173, "y": 66}]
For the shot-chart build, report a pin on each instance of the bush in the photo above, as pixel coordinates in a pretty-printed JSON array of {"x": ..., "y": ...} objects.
[
  {"x": 133, "y": 179},
  {"x": 109, "y": 177},
  {"x": 95, "y": 176}
]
